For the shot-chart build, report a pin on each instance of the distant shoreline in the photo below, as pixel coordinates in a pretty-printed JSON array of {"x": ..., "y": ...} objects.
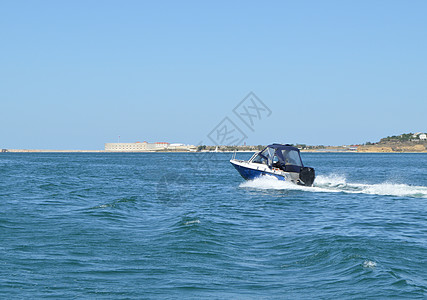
[
  {"x": 181, "y": 151},
  {"x": 49, "y": 151}
]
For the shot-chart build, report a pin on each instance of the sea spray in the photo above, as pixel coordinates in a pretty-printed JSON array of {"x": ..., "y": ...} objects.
[{"x": 333, "y": 183}]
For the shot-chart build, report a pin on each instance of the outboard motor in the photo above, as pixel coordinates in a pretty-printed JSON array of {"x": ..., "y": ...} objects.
[{"x": 306, "y": 176}]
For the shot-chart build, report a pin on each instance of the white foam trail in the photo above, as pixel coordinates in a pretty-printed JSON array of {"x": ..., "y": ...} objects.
[
  {"x": 331, "y": 179},
  {"x": 334, "y": 183}
]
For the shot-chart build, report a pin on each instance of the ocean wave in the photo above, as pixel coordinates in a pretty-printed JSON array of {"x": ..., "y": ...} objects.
[
  {"x": 336, "y": 183},
  {"x": 369, "y": 264},
  {"x": 192, "y": 222}
]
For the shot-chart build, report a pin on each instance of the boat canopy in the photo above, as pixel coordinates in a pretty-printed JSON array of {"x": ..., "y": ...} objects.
[{"x": 285, "y": 157}]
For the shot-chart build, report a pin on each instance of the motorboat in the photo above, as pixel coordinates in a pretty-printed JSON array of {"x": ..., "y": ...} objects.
[{"x": 281, "y": 161}]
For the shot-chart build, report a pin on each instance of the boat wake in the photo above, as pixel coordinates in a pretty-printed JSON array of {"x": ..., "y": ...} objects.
[{"x": 338, "y": 184}]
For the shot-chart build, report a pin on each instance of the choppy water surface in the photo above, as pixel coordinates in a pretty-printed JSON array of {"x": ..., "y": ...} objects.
[{"x": 188, "y": 226}]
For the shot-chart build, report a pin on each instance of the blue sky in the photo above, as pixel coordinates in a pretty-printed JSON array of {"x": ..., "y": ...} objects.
[{"x": 76, "y": 74}]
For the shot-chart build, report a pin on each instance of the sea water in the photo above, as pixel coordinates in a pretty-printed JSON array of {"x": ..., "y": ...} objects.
[{"x": 186, "y": 225}]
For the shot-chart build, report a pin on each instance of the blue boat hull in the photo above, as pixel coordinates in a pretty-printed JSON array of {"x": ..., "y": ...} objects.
[{"x": 249, "y": 174}]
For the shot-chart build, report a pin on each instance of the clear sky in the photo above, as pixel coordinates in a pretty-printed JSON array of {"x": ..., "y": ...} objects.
[{"x": 77, "y": 74}]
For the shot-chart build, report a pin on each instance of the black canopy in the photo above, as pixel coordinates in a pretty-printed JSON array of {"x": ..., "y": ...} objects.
[
  {"x": 289, "y": 156},
  {"x": 283, "y": 147}
]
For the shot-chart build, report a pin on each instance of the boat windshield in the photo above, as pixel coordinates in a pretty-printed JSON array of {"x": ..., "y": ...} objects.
[
  {"x": 291, "y": 157},
  {"x": 268, "y": 153},
  {"x": 260, "y": 159}
]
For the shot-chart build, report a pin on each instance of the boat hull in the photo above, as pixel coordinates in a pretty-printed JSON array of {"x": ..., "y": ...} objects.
[{"x": 250, "y": 173}]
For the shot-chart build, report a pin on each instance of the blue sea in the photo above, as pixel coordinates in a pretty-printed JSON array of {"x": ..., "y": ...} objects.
[{"x": 187, "y": 226}]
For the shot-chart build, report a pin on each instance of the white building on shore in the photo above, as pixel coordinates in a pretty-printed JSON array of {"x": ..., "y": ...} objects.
[
  {"x": 147, "y": 147},
  {"x": 422, "y": 136}
]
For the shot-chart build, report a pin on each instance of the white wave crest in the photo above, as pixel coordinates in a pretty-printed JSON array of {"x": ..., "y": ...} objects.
[
  {"x": 335, "y": 183},
  {"x": 192, "y": 222},
  {"x": 369, "y": 264}
]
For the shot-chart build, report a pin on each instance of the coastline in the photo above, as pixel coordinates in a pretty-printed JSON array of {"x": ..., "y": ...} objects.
[
  {"x": 182, "y": 151},
  {"x": 49, "y": 151}
]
